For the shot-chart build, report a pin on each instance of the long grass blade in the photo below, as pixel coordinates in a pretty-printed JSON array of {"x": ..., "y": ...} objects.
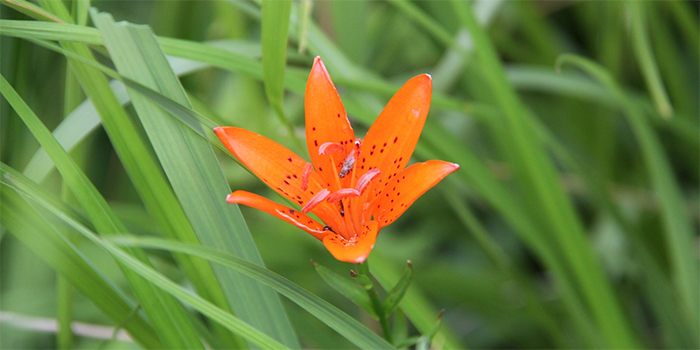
[
  {"x": 678, "y": 230},
  {"x": 194, "y": 174}
]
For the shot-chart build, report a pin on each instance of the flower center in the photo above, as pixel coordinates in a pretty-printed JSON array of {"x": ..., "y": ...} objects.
[{"x": 350, "y": 202}]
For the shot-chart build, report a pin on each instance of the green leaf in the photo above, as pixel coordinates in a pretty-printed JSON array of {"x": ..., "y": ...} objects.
[
  {"x": 396, "y": 294},
  {"x": 275, "y": 24},
  {"x": 194, "y": 173},
  {"x": 84, "y": 119},
  {"x": 346, "y": 287}
]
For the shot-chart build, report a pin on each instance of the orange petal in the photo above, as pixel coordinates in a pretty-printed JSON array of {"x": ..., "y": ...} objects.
[
  {"x": 289, "y": 215},
  {"x": 326, "y": 121},
  {"x": 392, "y": 138},
  {"x": 356, "y": 249},
  {"x": 402, "y": 190},
  {"x": 277, "y": 166}
]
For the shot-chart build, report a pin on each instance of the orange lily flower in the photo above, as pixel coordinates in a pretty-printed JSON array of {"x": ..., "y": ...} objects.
[{"x": 354, "y": 186}]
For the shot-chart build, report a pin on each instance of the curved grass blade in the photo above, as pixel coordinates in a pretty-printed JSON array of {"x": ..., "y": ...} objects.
[
  {"x": 327, "y": 313},
  {"x": 27, "y": 225},
  {"x": 167, "y": 315},
  {"x": 212, "y": 311}
]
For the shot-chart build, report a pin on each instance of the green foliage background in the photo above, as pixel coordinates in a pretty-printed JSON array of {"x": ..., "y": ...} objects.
[{"x": 572, "y": 223}]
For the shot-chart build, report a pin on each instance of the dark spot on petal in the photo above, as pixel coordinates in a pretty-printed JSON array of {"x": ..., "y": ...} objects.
[
  {"x": 396, "y": 139},
  {"x": 384, "y": 144},
  {"x": 289, "y": 159},
  {"x": 285, "y": 181},
  {"x": 338, "y": 115},
  {"x": 291, "y": 211},
  {"x": 294, "y": 175},
  {"x": 313, "y": 128},
  {"x": 320, "y": 169},
  {"x": 316, "y": 143},
  {"x": 374, "y": 146},
  {"x": 289, "y": 177}
]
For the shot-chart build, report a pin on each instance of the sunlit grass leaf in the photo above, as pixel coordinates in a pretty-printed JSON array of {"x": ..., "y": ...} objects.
[{"x": 194, "y": 174}]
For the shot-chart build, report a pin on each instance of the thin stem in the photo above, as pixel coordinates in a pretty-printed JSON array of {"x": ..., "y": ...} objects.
[{"x": 377, "y": 305}]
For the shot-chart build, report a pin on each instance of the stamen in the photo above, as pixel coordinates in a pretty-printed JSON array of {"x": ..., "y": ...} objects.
[
  {"x": 330, "y": 147},
  {"x": 305, "y": 176},
  {"x": 315, "y": 200},
  {"x": 343, "y": 193},
  {"x": 366, "y": 179}
]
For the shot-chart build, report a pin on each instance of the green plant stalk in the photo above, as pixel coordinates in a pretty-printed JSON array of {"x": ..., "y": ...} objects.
[
  {"x": 363, "y": 269},
  {"x": 540, "y": 179},
  {"x": 64, "y": 313}
]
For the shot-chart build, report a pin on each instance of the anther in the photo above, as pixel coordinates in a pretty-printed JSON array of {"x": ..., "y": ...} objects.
[
  {"x": 366, "y": 179},
  {"x": 330, "y": 147},
  {"x": 305, "y": 176},
  {"x": 343, "y": 193}
]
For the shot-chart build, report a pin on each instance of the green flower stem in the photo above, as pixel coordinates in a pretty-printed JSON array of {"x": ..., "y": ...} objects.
[{"x": 377, "y": 304}]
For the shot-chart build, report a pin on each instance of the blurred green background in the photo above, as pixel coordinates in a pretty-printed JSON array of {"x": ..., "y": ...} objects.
[{"x": 573, "y": 222}]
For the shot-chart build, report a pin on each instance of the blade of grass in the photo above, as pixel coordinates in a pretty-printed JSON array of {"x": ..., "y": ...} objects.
[
  {"x": 678, "y": 229},
  {"x": 324, "y": 311},
  {"x": 273, "y": 36},
  {"x": 647, "y": 62},
  {"x": 166, "y": 314},
  {"x": 329, "y": 314},
  {"x": 194, "y": 174},
  {"x": 149, "y": 181},
  {"x": 539, "y": 179},
  {"x": 84, "y": 119},
  {"x": 37, "y": 234}
]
